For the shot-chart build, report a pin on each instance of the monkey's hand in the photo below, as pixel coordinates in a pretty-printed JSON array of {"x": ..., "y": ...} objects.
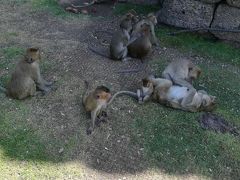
[{"x": 140, "y": 98}]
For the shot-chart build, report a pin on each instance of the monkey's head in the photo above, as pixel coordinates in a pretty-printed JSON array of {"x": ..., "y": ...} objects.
[
  {"x": 147, "y": 86},
  {"x": 126, "y": 24},
  {"x": 102, "y": 93},
  {"x": 145, "y": 28},
  {"x": 194, "y": 72},
  {"x": 152, "y": 18},
  {"x": 208, "y": 103},
  {"x": 32, "y": 55}
]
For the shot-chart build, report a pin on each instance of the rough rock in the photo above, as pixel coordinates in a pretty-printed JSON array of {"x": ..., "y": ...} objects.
[
  {"x": 150, "y": 2},
  {"x": 210, "y": 1},
  {"x": 186, "y": 13},
  {"x": 227, "y": 17},
  {"x": 235, "y": 3}
]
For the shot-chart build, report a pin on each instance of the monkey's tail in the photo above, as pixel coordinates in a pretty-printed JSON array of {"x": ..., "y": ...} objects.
[
  {"x": 89, "y": 4},
  {"x": 103, "y": 31},
  {"x": 142, "y": 67},
  {"x": 85, "y": 92},
  {"x": 98, "y": 53},
  {"x": 132, "y": 94}
]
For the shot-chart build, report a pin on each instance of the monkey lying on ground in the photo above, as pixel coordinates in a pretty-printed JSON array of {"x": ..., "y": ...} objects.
[
  {"x": 120, "y": 40},
  {"x": 164, "y": 92},
  {"x": 96, "y": 101},
  {"x": 26, "y": 78},
  {"x": 182, "y": 72},
  {"x": 151, "y": 20}
]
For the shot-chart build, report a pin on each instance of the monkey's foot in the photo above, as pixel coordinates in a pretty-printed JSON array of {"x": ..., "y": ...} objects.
[{"x": 89, "y": 130}]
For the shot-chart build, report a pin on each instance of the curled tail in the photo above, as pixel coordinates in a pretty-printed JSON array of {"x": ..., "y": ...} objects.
[{"x": 130, "y": 93}]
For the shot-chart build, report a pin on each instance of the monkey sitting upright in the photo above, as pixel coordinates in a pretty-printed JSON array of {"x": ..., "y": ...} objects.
[
  {"x": 164, "y": 92},
  {"x": 182, "y": 72},
  {"x": 151, "y": 20},
  {"x": 26, "y": 78},
  {"x": 141, "y": 47},
  {"x": 121, "y": 39}
]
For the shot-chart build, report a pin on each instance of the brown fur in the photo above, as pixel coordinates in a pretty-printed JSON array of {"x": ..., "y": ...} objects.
[
  {"x": 27, "y": 78},
  {"x": 182, "y": 72},
  {"x": 94, "y": 102},
  {"x": 151, "y": 20},
  {"x": 141, "y": 47},
  {"x": 180, "y": 97}
]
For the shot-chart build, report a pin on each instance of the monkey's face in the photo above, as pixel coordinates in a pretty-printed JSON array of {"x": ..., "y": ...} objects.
[
  {"x": 147, "y": 86},
  {"x": 153, "y": 19},
  {"x": 102, "y": 93},
  {"x": 32, "y": 55},
  {"x": 208, "y": 102},
  {"x": 145, "y": 29},
  {"x": 194, "y": 73},
  {"x": 103, "y": 96}
]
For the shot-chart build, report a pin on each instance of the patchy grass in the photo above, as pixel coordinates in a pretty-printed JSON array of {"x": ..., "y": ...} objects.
[
  {"x": 52, "y": 7},
  {"x": 199, "y": 45},
  {"x": 173, "y": 141}
]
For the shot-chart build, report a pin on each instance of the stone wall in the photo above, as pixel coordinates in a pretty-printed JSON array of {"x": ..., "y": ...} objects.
[{"x": 224, "y": 14}]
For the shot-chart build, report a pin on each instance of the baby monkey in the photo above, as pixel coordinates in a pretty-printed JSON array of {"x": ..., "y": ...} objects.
[{"x": 26, "y": 78}]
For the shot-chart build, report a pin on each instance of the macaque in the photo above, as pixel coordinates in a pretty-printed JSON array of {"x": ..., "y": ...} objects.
[
  {"x": 151, "y": 20},
  {"x": 182, "y": 72},
  {"x": 120, "y": 40},
  {"x": 141, "y": 47},
  {"x": 96, "y": 101},
  {"x": 180, "y": 97},
  {"x": 26, "y": 78}
]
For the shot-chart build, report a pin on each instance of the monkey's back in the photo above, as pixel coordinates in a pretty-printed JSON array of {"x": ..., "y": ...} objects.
[
  {"x": 21, "y": 84},
  {"x": 117, "y": 44},
  {"x": 140, "y": 47}
]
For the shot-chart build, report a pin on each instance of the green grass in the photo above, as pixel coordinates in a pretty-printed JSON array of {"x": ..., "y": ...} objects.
[
  {"x": 199, "y": 45},
  {"x": 17, "y": 139},
  {"x": 10, "y": 56},
  {"x": 173, "y": 140},
  {"x": 52, "y": 7}
]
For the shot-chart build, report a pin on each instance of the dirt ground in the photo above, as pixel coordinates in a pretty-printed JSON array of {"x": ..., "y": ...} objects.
[{"x": 58, "y": 118}]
